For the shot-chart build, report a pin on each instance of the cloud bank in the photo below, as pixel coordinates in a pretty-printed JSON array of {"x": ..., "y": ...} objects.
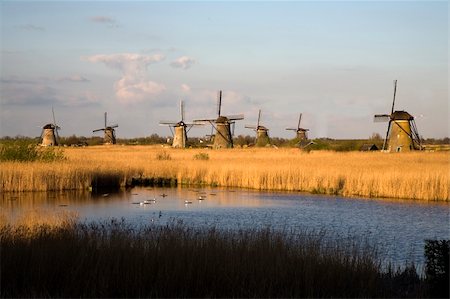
[
  {"x": 111, "y": 22},
  {"x": 134, "y": 85},
  {"x": 183, "y": 62}
]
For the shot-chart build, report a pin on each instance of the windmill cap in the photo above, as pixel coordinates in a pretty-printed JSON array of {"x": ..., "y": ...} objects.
[
  {"x": 401, "y": 115},
  {"x": 49, "y": 126},
  {"x": 222, "y": 119},
  {"x": 262, "y": 128}
]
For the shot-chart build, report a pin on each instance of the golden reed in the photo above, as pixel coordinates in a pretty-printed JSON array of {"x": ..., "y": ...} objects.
[{"x": 415, "y": 175}]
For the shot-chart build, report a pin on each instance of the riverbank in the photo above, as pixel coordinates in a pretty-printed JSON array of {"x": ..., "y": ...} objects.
[{"x": 416, "y": 175}]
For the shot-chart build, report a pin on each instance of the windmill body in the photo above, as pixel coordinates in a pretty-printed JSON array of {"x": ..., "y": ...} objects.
[
  {"x": 48, "y": 135},
  {"x": 402, "y": 134},
  {"x": 110, "y": 136},
  {"x": 223, "y": 137},
  {"x": 180, "y": 129},
  {"x": 109, "y": 132},
  {"x": 262, "y": 133},
  {"x": 180, "y": 136},
  {"x": 224, "y": 126}
]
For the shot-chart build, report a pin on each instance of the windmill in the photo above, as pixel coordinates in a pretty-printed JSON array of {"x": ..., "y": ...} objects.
[
  {"x": 110, "y": 134},
  {"x": 262, "y": 136},
  {"x": 49, "y": 134},
  {"x": 180, "y": 129},
  {"x": 301, "y": 132},
  {"x": 224, "y": 126},
  {"x": 401, "y": 134}
]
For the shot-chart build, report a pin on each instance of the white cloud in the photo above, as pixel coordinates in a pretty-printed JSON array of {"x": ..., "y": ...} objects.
[
  {"x": 74, "y": 78},
  {"x": 183, "y": 62},
  {"x": 134, "y": 86},
  {"x": 185, "y": 88},
  {"x": 111, "y": 22},
  {"x": 31, "y": 27}
]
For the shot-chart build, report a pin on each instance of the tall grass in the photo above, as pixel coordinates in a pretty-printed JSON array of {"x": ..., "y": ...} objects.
[
  {"x": 415, "y": 175},
  {"x": 114, "y": 259}
]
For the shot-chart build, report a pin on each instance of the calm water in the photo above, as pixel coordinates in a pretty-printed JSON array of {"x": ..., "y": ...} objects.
[{"x": 398, "y": 227}]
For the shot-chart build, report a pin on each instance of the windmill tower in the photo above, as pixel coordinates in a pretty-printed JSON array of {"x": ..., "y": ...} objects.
[
  {"x": 49, "y": 134},
  {"x": 110, "y": 134},
  {"x": 301, "y": 132},
  {"x": 180, "y": 129},
  {"x": 401, "y": 134},
  {"x": 224, "y": 126},
  {"x": 262, "y": 136}
]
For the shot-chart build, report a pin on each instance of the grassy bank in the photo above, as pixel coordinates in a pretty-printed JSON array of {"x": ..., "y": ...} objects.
[
  {"x": 416, "y": 175},
  {"x": 113, "y": 259}
]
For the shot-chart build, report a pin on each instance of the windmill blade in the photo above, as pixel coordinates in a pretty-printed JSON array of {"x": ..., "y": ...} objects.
[
  {"x": 299, "y": 121},
  {"x": 182, "y": 110},
  {"x": 292, "y": 129},
  {"x": 259, "y": 118},
  {"x": 167, "y": 123},
  {"x": 98, "y": 130},
  {"x": 204, "y": 120},
  {"x": 387, "y": 135},
  {"x": 219, "y": 102},
  {"x": 233, "y": 125},
  {"x": 54, "y": 121},
  {"x": 381, "y": 118},
  {"x": 105, "y": 120},
  {"x": 235, "y": 117},
  {"x": 194, "y": 124},
  {"x": 250, "y": 127},
  {"x": 395, "y": 91}
]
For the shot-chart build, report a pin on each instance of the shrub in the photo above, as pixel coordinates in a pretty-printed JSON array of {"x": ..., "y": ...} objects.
[
  {"x": 437, "y": 267},
  {"x": 28, "y": 151},
  {"x": 163, "y": 156},
  {"x": 201, "y": 156}
]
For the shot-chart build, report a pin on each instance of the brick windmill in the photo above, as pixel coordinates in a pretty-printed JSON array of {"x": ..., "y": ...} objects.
[
  {"x": 49, "y": 134},
  {"x": 110, "y": 134},
  {"x": 262, "y": 136},
  {"x": 224, "y": 126},
  {"x": 180, "y": 128},
  {"x": 401, "y": 134},
  {"x": 301, "y": 132}
]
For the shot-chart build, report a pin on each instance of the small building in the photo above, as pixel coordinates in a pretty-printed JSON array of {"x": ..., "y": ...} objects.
[{"x": 368, "y": 147}]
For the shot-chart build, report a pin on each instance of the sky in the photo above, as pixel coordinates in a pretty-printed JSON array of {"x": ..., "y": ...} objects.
[{"x": 334, "y": 62}]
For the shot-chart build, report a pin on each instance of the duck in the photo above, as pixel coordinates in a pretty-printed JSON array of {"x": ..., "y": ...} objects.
[{"x": 187, "y": 202}]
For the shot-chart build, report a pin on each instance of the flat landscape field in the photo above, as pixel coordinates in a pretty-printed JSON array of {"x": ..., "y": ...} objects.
[{"x": 415, "y": 175}]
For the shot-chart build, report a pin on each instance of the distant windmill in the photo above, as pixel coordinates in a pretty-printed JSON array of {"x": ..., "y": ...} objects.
[
  {"x": 301, "y": 133},
  {"x": 401, "y": 134},
  {"x": 262, "y": 136},
  {"x": 49, "y": 134},
  {"x": 181, "y": 128},
  {"x": 224, "y": 126},
  {"x": 110, "y": 134}
]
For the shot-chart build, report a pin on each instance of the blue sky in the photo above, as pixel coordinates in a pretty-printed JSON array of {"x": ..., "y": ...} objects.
[{"x": 333, "y": 61}]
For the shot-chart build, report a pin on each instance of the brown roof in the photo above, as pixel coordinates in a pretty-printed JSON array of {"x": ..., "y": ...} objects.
[{"x": 401, "y": 115}]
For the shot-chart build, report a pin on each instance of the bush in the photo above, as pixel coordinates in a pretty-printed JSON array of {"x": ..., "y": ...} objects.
[
  {"x": 163, "y": 156},
  {"x": 201, "y": 156},
  {"x": 28, "y": 151},
  {"x": 437, "y": 267}
]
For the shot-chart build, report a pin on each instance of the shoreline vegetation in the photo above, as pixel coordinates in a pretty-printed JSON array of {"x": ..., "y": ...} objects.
[
  {"x": 415, "y": 175},
  {"x": 63, "y": 258}
]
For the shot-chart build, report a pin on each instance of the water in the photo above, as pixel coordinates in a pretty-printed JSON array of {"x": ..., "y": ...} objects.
[{"x": 397, "y": 227}]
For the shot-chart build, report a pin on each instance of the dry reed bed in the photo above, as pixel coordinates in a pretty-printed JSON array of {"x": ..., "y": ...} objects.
[
  {"x": 114, "y": 260},
  {"x": 417, "y": 175}
]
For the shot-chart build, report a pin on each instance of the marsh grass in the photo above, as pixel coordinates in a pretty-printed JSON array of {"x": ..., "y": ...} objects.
[
  {"x": 115, "y": 259},
  {"x": 415, "y": 175}
]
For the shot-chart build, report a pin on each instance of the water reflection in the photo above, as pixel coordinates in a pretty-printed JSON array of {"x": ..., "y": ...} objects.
[{"x": 399, "y": 227}]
